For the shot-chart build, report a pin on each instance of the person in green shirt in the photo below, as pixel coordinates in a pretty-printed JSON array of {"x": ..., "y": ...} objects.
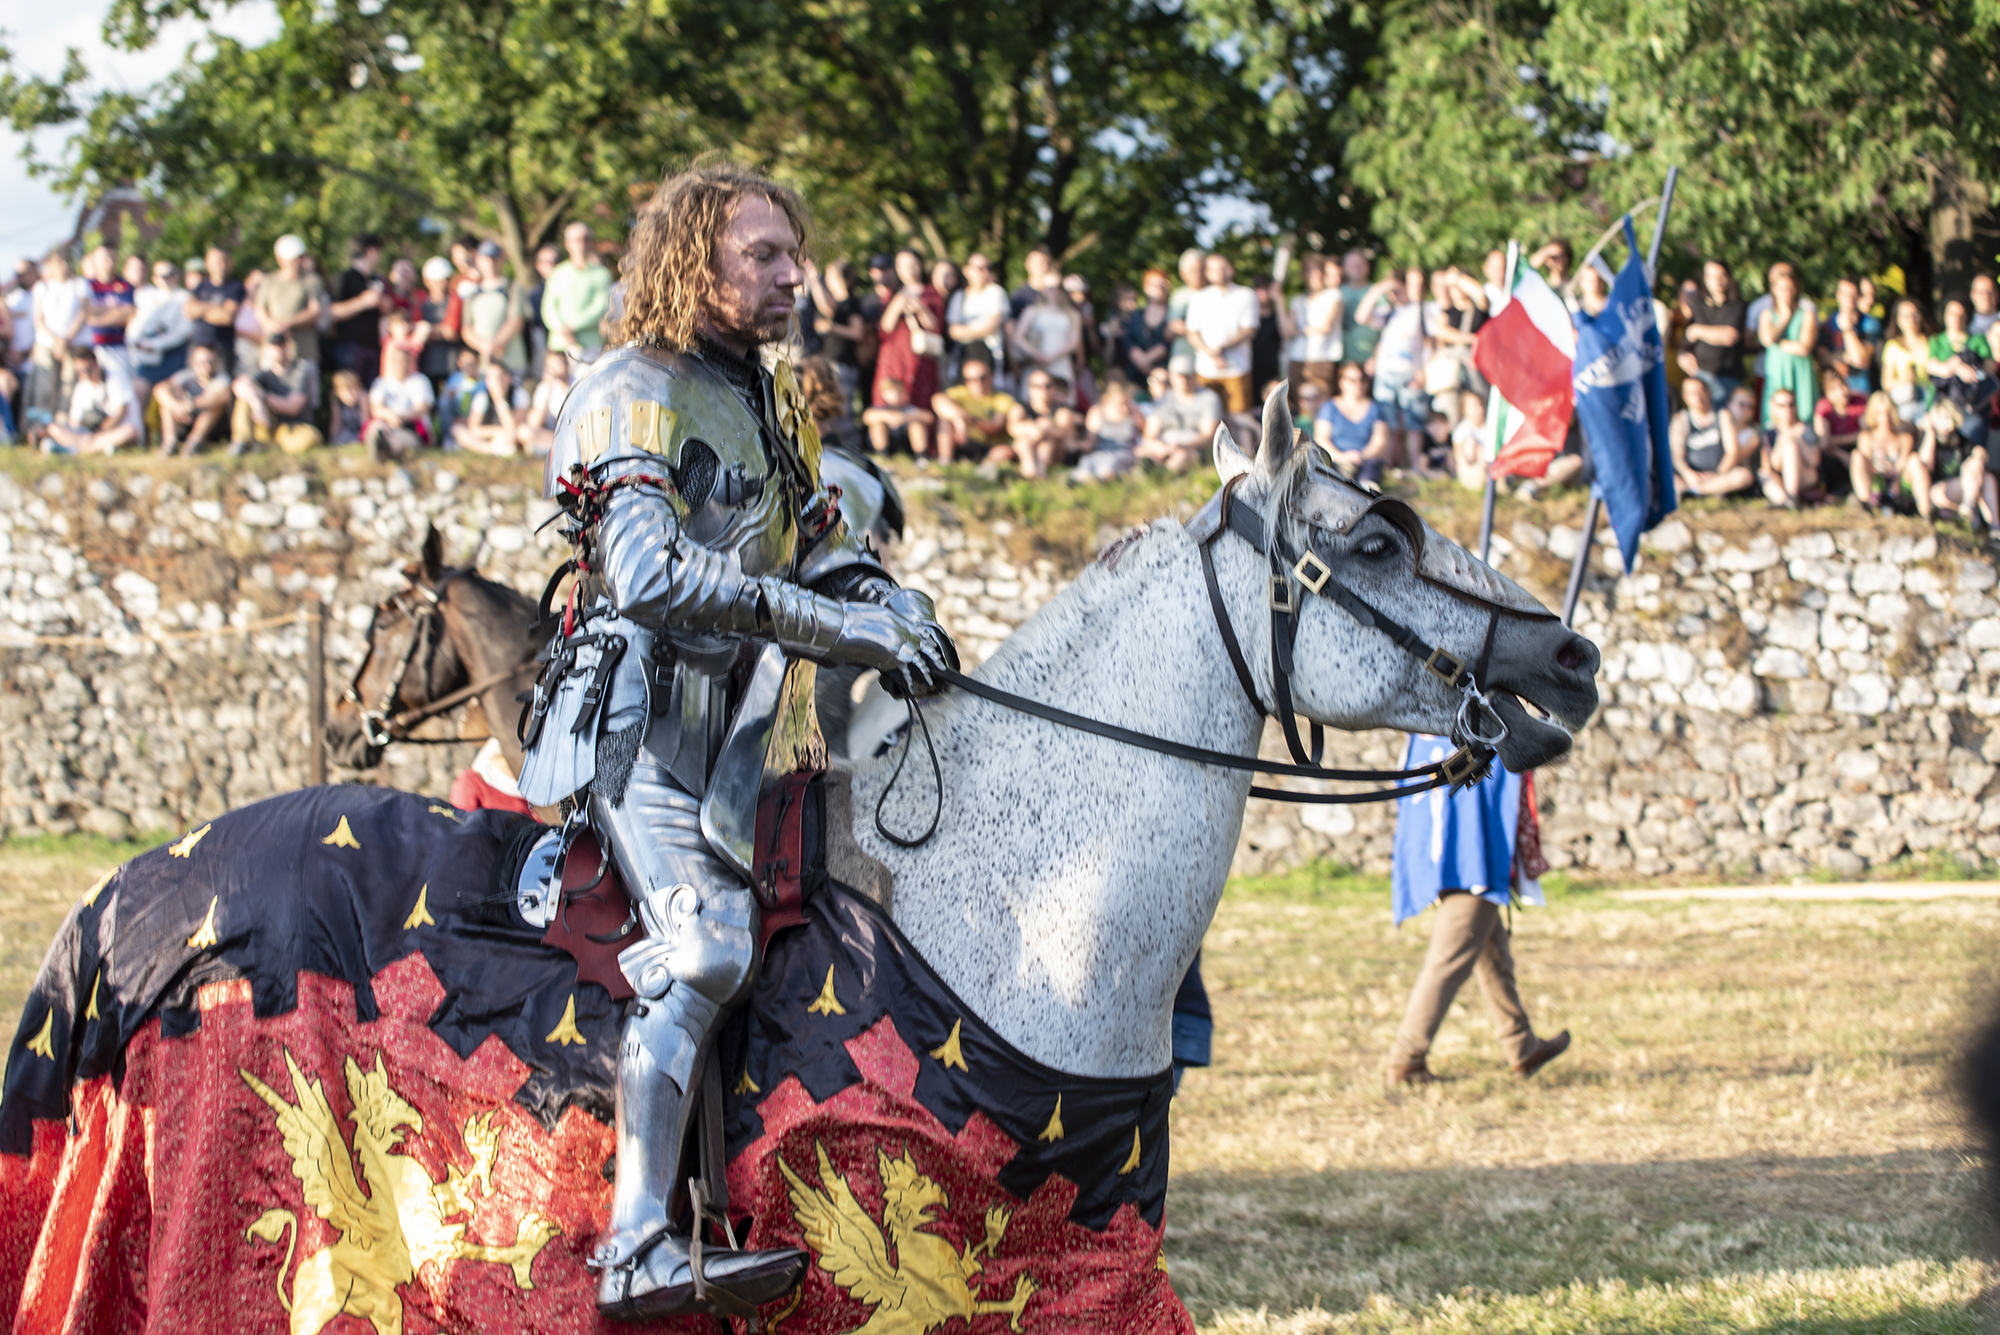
[
  {"x": 1957, "y": 353},
  {"x": 1357, "y": 268},
  {"x": 492, "y": 320},
  {"x": 576, "y": 298},
  {"x": 1192, "y": 260}
]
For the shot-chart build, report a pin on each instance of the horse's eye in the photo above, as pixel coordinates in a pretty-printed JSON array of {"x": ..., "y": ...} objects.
[{"x": 1375, "y": 548}]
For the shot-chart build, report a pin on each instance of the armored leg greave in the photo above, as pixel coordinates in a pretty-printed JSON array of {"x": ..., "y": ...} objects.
[{"x": 697, "y": 960}]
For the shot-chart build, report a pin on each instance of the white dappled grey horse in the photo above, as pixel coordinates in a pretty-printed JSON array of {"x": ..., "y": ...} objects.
[{"x": 1071, "y": 877}]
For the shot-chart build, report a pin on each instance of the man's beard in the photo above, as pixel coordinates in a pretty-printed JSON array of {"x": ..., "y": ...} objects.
[{"x": 751, "y": 327}]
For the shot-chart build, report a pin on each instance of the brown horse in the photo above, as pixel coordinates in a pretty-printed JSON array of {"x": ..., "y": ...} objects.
[{"x": 452, "y": 636}]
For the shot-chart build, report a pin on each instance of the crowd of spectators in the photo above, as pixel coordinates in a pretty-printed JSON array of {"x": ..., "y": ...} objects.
[
  {"x": 455, "y": 354},
  {"x": 1778, "y": 396}
]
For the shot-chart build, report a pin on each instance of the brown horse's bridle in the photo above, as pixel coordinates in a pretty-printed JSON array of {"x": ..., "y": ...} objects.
[{"x": 424, "y": 609}]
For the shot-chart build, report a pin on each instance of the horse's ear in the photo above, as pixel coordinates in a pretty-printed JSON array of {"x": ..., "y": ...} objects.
[
  {"x": 1274, "y": 451},
  {"x": 1229, "y": 461},
  {"x": 433, "y": 555}
]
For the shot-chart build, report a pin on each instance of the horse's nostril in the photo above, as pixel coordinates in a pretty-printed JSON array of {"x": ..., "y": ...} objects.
[{"x": 1570, "y": 656}]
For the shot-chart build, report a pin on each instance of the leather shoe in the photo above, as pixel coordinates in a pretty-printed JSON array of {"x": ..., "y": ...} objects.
[
  {"x": 1415, "y": 1073},
  {"x": 1545, "y": 1051}
]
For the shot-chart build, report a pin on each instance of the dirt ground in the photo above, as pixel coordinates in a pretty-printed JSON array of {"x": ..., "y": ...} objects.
[{"x": 1755, "y": 1129}]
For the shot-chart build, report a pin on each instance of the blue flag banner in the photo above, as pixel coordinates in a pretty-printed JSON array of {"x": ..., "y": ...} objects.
[{"x": 1620, "y": 379}]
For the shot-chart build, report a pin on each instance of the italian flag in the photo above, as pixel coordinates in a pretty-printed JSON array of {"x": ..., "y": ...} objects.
[{"x": 1525, "y": 352}]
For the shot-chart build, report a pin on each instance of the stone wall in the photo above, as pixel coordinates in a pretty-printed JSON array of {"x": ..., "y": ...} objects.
[{"x": 1782, "y": 694}]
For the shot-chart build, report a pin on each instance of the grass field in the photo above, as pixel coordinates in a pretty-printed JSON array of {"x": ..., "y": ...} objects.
[{"x": 1754, "y": 1131}]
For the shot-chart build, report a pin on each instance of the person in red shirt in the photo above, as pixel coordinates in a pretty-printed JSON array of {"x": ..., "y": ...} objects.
[{"x": 1837, "y": 422}]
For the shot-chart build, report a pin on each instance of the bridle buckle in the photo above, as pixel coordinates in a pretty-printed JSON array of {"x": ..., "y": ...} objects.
[
  {"x": 1445, "y": 667},
  {"x": 1318, "y": 579},
  {"x": 1460, "y": 767},
  {"x": 1282, "y": 597}
]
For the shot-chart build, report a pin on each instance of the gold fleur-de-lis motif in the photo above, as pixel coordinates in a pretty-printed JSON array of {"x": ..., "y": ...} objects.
[
  {"x": 566, "y": 1032},
  {"x": 342, "y": 836},
  {"x": 1054, "y": 1130},
  {"x": 205, "y": 935},
  {"x": 949, "y": 1053},
  {"x": 827, "y": 1003},
  {"x": 185, "y": 846},
  {"x": 420, "y": 916}
]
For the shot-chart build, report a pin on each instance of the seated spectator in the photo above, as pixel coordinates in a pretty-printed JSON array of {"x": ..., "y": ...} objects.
[
  {"x": 1958, "y": 472},
  {"x": 1353, "y": 427},
  {"x": 973, "y": 417},
  {"x": 538, "y": 424},
  {"x": 491, "y": 422},
  {"x": 1742, "y": 407},
  {"x": 1837, "y": 422},
  {"x": 1182, "y": 421},
  {"x": 1042, "y": 430},
  {"x": 350, "y": 408},
  {"x": 896, "y": 423},
  {"x": 455, "y": 399},
  {"x": 1885, "y": 455},
  {"x": 1707, "y": 445},
  {"x": 1434, "y": 457},
  {"x": 276, "y": 405},
  {"x": 1158, "y": 382},
  {"x": 195, "y": 400},
  {"x": 399, "y": 407},
  {"x": 1790, "y": 468},
  {"x": 100, "y": 416},
  {"x": 1114, "y": 430},
  {"x": 1468, "y": 442},
  {"x": 1906, "y": 358},
  {"x": 1311, "y": 395},
  {"x": 1961, "y": 370}
]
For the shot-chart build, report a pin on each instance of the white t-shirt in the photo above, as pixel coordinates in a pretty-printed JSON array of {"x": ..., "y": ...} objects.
[
  {"x": 969, "y": 307},
  {"x": 162, "y": 323},
  {"x": 1400, "y": 352},
  {"x": 1219, "y": 313},
  {"x": 1319, "y": 309},
  {"x": 107, "y": 396},
  {"x": 1295, "y": 346},
  {"x": 405, "y": 398},
  {"x": 58, "y": 303},
  {"x": 21, "y": 305}
]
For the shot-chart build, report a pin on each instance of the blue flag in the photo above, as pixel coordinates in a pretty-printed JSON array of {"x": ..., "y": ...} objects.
[{"x": 1620, "y": 378}]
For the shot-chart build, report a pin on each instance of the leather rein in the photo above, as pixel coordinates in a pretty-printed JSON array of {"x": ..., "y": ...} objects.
[
  {"x": 1467, "y": 765},
  {"x": 379, "y": 727}
]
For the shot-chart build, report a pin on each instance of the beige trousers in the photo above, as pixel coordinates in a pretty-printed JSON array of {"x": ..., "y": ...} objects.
[{"x": 1467, "y": 934}]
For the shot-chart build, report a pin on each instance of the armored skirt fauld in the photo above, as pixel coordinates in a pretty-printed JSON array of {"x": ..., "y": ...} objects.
[{"x": 714, "y": 572}]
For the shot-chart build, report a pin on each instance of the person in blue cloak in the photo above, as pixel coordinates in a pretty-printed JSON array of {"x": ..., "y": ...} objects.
[{"x": 1470, "y": 853}]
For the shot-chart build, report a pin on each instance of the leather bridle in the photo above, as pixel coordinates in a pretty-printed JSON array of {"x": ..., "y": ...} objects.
[{"x": 424, "y": 609}]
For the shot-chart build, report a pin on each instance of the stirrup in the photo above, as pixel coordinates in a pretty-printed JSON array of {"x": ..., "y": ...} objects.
[{"x": 719, "y": 1301}]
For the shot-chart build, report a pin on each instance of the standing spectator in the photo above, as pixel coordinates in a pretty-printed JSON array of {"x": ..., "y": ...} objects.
[
  {"x": 404, "y": 295},
  {"x": 1317, "y": 316},
  {"x": 1470, "y": 853},
  {"x": 399, "y": 405},
  {"x": 464, "y": 269},
  {"x": 1884, "y": 455},
  {"x": 195, "y": 400},
  {"x": 1044, "y": 429},
  {"x": 1182, "y": 421},
  {"x": 977, "y": 313},
  {"x": 20, "y": 303},
  {"x": 1394, "y": 306},
  {"x": 946, "y": 282},
  {"x": 1077, "y": 288},
  {"x": 537, "y": 332},
  {"x": 912, "y": 325},
  {"x": 1789, "y": 331},
  {"x": 1145, "y": 339},
  {"x": 1906, "y": 360},
  {"x": 1221, "y": 322},
  {"x": 1709, "y": 459},
  {"x": 1353, "y": 428},
  {"x": 1274, "y": 332},
  {"x": 1047, "y": 337},
  {"x": 158, "y": 335},
  {"x": 1985, "y": 296},
  {"x": 973, "y": 416},
  {"x": 1357, "y": 339},
  {"x": 276, "y": 405},
  {"x": 1556, "y": 259},
  {"x": 1461, "y": 310},
  {"x": 112, "y": 307},
  {"x": 538, "y": 426},
  {"x": 1790, "y": 469},
  {"x": 217, "y": 299},
  {"x": 492, "y": 320},
  {"x": 290, "y": 301},
  {"x": 101, "y": 416},
  {"x": 438, "y": 323},
  {"x": 576, "y": 297},
  {"x": 1960, "y": 477},
  {"x": 1849, "y": 337},
  {"x": 1111, "y": 333},
  {"x": 491, "y": 423},
  {"x": 1112, "y": 427},
  {"x": 1714, "y": 334},
  {"x": 881, "y": 287},
  {"x": 1039, "y": 267},
  {"x": 842, "y": 330},
  {"x": 1193, "y": 267},
  {"x": 249, "y": 333},
  {"x": 358, "y": 306}
]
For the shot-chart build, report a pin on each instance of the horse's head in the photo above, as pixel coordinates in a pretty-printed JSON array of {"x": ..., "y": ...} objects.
[
  {"x": 411, "y": 661},
  {"x": 1348, "y": 550}
]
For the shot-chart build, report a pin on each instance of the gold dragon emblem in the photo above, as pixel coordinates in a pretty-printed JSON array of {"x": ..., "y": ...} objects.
[
  {"x": 392, "y": 1217},
  {"x": 929, "y": 1282}
]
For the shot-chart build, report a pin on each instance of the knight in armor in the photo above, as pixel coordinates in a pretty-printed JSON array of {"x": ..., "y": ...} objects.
[{"x": 715, "y": 572}]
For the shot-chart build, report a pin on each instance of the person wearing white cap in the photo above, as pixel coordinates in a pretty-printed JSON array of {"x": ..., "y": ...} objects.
[{"x": 290, "y": 300}]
